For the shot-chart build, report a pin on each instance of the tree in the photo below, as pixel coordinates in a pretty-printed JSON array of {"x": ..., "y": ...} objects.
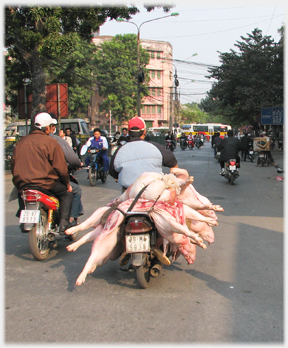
[
  {"x": 248, "y": 79},
  {"x": 190, "y": 113},
  {"x": 116, "y": 70},
  {"x": 78, "y": 71},
  {"x": 33, "y": 35}
]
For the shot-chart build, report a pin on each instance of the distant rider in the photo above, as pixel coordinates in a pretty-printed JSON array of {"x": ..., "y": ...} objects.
[
  {"x": 170, "y": 136},
  {"x": 100, "y": 143},
  {"x": 229, "y": 148},
  {"x": 124, "y": 137},
  {"x": 216, "y": 142},
  {"x": 245, "y": 143}
]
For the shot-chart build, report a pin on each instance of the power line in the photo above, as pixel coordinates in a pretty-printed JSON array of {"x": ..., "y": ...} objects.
[{"x": 215, "y": 32}]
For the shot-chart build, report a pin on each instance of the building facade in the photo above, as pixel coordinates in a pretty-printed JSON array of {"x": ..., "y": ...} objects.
[{"x": 156, "y": 109}]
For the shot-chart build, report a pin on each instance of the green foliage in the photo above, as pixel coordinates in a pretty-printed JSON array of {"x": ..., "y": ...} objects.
[
  {"x": 247, "y": 80},
  {"x": 190, "y": 113},
  {"x": 34, "y": 35},
  {"x": 77, "y": 70},
  {"x": 116, "y": 70}
]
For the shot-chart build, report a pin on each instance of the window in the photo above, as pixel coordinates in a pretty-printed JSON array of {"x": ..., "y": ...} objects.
[
  {"x": 200, "y": 128},
  {"x": 159, "y": 109},
  {"x": 153, "y": 92},
  {"x": 158, "y": 55},
  {"x": 148, "y": 109},
  {"x": 158, "y": 92},
  {"x": 153, "y": 74},
  {"x": 158, "y": 75},
  {"x": 153, "y": 109},
  {"x": 152, "y": 54}
]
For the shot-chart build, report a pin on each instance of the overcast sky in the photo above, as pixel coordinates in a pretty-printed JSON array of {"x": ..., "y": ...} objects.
[{"x": 204, "y": 30}]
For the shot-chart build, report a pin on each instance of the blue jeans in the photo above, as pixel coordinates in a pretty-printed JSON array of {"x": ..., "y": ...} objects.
[{"x": 77, "y": 207}]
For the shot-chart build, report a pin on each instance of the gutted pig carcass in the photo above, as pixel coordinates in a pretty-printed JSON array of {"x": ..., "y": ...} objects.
[{"x": 182, "y": 216}]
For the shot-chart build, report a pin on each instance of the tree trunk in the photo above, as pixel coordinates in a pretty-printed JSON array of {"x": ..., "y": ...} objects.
[{"x": 38, "y": 84}]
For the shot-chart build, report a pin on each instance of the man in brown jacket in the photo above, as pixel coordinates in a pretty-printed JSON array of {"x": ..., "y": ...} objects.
[{"x": 39, "y": 160}]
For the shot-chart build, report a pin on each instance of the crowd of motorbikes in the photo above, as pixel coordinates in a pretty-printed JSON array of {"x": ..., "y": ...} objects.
[
  {"x": 231, "y": 171},
  {"x": 40, "y": 217}
]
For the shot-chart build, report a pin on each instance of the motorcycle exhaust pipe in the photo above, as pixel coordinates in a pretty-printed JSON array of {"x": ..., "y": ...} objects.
[{"x": 156, "y": 270}]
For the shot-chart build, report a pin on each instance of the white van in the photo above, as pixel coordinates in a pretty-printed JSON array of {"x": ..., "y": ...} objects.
[
  {"x": 19, "y": 128},
  {"x": 16, "y": 129}
]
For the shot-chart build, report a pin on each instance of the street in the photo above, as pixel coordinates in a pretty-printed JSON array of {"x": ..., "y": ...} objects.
[{"x": 233, "y": 293}]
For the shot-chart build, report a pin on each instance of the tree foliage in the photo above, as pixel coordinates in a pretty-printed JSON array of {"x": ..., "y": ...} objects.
[
  {"x": 35, "y": 35},
  {"x": 116, "y": 69},
  {"x": 247, "y": 80},
  {"x": 191, "y": 113}
]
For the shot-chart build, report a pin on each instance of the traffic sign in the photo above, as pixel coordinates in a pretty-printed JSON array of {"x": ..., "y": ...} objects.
[{"x": 272, "y": 116}]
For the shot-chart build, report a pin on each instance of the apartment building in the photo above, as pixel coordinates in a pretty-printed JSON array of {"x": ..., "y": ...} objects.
[{"x": 156, "y": 109}]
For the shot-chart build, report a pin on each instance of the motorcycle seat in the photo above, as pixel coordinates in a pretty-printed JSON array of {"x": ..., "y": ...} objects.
[{"x": 36, "y": 187}]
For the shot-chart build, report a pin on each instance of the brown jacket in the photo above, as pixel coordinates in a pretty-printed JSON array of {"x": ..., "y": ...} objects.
[{"x": 38, "y": 159}]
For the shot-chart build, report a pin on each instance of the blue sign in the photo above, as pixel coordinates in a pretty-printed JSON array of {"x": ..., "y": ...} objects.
[{"x": 272, "y": 116}]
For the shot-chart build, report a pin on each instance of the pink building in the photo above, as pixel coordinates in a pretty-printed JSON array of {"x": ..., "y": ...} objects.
[{"x": 156, "y": 108}]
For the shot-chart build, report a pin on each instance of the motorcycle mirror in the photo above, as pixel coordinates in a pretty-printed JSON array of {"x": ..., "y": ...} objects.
[{"x": 84, "y": 149}]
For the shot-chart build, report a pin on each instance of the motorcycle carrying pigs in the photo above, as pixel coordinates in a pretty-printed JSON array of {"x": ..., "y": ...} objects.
[{"x": 157, "y": 219}]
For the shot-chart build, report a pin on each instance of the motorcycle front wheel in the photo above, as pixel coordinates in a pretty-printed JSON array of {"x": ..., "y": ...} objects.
[
  {"x": 143, "y": 275},
  {"x": 39, "y": 244},
  {"x": 232, "y": 178},
  {"x": 92, "y": 176},
  {"x": 103, "y": 175}
]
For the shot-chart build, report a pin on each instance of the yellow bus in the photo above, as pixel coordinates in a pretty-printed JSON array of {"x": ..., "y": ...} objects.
[{"x": 207, "y": 129}]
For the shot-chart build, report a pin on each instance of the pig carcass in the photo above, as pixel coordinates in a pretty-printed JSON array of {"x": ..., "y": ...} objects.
[{"x": 182, "y": 216}]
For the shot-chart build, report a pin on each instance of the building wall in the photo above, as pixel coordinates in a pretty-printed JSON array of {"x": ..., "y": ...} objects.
[{"x": 156, "y": 108}]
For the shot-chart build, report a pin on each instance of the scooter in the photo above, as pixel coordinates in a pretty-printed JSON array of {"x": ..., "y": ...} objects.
[
  {"x": 144, "y": 247},
  {"x": 263, "y": 158},
  {"x": 41, "y": 220},
  {"x": 170, "y": 145},
  {"x": 183, "y": 144},
  {"x": 198, "y": 143},
  {"x": 190, "y": 144},
  {"x": 251, "y": 154},
  {"x": 96, "y": 166},
  {"x": 231, "y": 172}
]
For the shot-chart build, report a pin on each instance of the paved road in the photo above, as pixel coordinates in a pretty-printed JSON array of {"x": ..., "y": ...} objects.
[{"x": 233, "y": 293}]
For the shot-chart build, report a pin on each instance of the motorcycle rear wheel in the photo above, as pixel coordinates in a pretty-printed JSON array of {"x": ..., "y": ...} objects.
[
  {"x": 143, "y": 275},
  {"x": 39, "y": 245},
  {"x": 232, "y": 178},
  {"x": 92, "y": 176}
]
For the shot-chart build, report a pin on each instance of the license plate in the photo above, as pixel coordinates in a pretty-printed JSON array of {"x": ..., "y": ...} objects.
[
  {"x": 232, "y": 167},
  {"x": 218, "y": 153},
  {"x": 251, "y": 152},
  {"x": 92, "y": 151},
  {"x": 29, "y": 216},
  {"x": 137, "y": 243},
  {"x": 261, "y": 156}
]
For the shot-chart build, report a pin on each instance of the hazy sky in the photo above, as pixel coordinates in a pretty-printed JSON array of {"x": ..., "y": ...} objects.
[
  {"x": 204, "y": 30},
  {"x": 202, "y": 27}
]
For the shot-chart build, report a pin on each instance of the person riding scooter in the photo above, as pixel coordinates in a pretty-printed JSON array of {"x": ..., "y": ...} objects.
[
  {"x": 229, "y": 148},
  {"x": 171, "y": 137},
  {"x": 101, "y": 144}
]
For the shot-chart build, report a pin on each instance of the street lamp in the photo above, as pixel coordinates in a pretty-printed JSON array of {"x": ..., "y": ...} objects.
[{"x": 140, "y": 77}]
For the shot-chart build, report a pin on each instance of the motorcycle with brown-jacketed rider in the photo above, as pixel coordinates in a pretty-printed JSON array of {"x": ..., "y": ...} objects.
[
  {"x": 144, "y": 247},
  {"x": 41, "y": 220}
]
